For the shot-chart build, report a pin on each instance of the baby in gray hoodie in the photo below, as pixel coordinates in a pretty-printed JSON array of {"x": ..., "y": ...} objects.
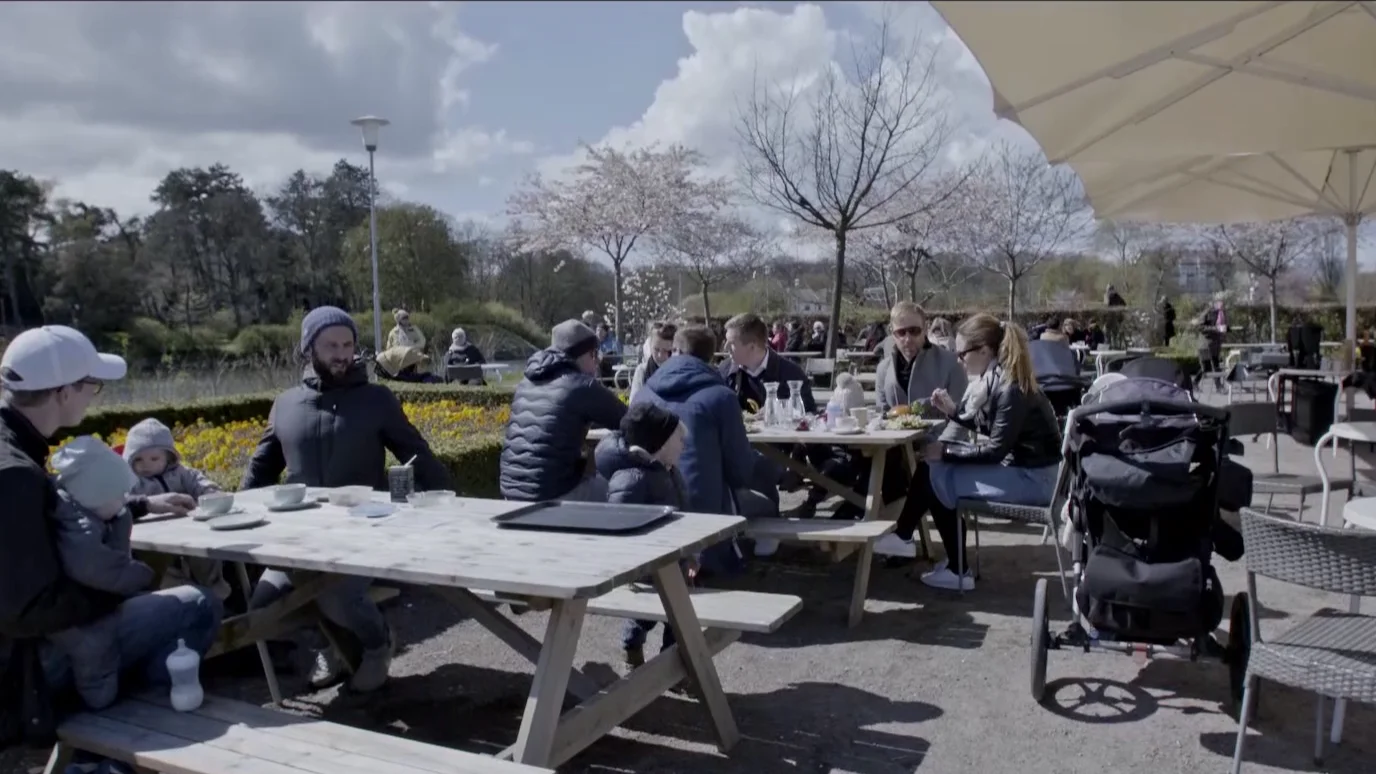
[
  {"x": 93, "y": 534},
  {"x": 151, "y": 452}
]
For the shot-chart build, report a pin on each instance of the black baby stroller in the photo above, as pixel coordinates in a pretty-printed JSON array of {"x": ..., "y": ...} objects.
[
  {"x": 1141, "y": 487},
  {"x": 1058, "y": 374}
]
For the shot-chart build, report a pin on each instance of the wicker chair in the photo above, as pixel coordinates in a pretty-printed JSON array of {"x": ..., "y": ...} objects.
[
  {"x": 1332, "y": 653},
  {"x": 1260, "y": 418}
]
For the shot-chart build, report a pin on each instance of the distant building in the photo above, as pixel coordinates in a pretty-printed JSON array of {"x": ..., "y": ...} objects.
[{"x": 804, "y": 302}]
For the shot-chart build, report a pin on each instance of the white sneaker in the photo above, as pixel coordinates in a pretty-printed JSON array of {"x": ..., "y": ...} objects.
[
  {"x": 766, "y": 546},
  {"x": 893, "y": 545},
  {"x": 945, "y": 579}
]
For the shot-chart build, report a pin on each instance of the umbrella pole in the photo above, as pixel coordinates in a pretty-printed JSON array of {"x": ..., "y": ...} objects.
[{"x": 1351, "y": 219}]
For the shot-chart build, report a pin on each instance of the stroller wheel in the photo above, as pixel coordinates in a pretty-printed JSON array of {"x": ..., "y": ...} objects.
[
  {"x": 1239, "y": 648},
  {"x": 1041, "y": 641}
]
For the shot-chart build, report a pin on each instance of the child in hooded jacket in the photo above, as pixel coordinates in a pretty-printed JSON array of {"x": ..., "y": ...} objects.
[
  {"x": 152, "y": 454},
  {"x": 92, "y": 531},
  {"x": 639, "y": 462}
]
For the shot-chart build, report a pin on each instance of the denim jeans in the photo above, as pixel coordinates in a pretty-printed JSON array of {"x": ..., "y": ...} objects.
[
  {"x": 633, "y": 634},
  {"x": 147, "y": 628},
  {"x": 1000, "y": 483},
  {"x": 345, "y": 604}
]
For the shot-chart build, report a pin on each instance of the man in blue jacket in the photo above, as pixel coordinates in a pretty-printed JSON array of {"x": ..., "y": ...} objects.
[{"x": 718, "y": 464}]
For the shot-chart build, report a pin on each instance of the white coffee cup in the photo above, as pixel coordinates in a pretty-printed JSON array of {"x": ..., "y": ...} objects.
[
  {"x": 216, "y": 502},
  {"x": 288, "y": 494},
  {"x": 845, "y": 424},
  {"x": 861, "y": 415}
]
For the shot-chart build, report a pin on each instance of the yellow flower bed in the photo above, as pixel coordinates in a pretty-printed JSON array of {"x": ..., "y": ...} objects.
[{"x": 223, "y": 451}]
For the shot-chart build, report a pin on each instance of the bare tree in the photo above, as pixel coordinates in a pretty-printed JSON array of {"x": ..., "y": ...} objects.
[
  {"x": 712, "y": 246},
  {"x": 610, "y": 203},
  {"x": 840, "y": 154},
  {"x": 1129, "y": 244},
  {"x": 1269, "y": 250},
  {"x": 1328, "y": 263},
  {"x": 1022, "y": 212}
]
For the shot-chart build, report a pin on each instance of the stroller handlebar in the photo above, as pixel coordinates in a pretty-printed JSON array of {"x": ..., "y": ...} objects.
[{"x": 1175, "y": 407}]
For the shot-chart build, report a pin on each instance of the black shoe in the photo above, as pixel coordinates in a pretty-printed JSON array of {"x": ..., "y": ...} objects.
[
  {"x": 634, "y": 658},
  {"x": 805, "y": 511},
  {"x": 848, "y": 512}
]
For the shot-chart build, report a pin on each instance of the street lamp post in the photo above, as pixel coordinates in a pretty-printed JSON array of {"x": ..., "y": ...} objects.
[{"x": 370, "y": 125}]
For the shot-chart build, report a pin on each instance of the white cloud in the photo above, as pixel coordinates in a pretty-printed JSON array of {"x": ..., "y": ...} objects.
[
  {"x": 105, "y": 98},
  {"x": 731, "y": 49}
]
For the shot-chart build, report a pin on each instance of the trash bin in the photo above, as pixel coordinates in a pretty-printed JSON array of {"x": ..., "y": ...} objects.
[{"x": 1312, "y": 412}]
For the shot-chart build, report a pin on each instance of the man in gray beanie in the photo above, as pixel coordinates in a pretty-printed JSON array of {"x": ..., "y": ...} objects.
[
  {"x": 335, "y": 429},
  {"x": 554, "y": 405}
]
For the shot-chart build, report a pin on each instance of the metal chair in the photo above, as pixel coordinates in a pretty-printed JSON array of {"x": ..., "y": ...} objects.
[
  {"x": 1331, "y": 653},
  {"x": 1261, "y": 418}
]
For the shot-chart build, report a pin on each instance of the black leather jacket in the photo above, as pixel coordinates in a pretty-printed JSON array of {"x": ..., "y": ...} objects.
[{"x": 1023, "y": 431}]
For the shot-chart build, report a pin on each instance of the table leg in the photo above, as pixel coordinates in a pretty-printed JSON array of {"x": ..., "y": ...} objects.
[
  {"x": 545, "y": 702},
  {"x": 910, "y": 456},
  {"x": 580, "y": 685},
  {"x": 274, "y": 689},
  {"x": 696, "y": 655}
]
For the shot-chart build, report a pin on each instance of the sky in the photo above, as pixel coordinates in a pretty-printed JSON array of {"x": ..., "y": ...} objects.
[{"x": 104, "y": 99}]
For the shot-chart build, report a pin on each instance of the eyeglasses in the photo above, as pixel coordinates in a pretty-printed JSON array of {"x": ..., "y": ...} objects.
[
  {"x": 961, "y": 354},
  {"x": 904, "y": 333},
  {"x": 96, "y": 385}
]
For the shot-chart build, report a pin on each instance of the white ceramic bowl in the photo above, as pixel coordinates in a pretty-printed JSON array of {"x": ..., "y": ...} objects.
[
  {"x": 349, "y": 496},
  {"x": 216, "y": 502},
  {"x": 288, "y": 494}
]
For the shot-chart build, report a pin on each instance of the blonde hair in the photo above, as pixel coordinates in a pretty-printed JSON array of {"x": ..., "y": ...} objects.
[
  {"x": 1009, "y": 340},
  {"x": 906, "y": 308}
]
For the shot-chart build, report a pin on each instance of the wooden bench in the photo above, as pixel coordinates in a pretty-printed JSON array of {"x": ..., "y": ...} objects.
[
  {"x": 230, "y": 737},
  {"x": 840, "y": 537},
  {"x": 726, "y": 609}
]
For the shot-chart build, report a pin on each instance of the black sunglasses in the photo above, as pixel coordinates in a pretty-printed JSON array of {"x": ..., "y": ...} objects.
[
  {"x": 961, "y": 354},
  {"x": 906, "y": 332}
]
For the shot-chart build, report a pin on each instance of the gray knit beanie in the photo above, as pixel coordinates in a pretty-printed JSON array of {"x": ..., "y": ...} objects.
[
  {"x": 573, "y": 338},
  {"x": 320, "y": 318}
]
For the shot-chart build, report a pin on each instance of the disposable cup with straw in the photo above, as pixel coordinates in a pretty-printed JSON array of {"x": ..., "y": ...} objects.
[{"x": 401, "y": 481}]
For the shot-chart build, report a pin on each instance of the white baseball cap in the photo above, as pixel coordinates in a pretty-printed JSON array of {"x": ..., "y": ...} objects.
[{"x": 55, "y": 356}]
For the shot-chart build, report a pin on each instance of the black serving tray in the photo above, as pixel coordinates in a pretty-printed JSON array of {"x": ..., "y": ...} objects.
[{"x": 598, "y": 518}]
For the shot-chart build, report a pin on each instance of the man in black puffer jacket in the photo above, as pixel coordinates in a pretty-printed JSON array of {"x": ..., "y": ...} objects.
[{"x": 555, "y": 404}]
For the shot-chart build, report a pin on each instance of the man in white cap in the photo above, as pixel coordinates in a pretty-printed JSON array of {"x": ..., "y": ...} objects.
[{"x": 49, "y": 377}]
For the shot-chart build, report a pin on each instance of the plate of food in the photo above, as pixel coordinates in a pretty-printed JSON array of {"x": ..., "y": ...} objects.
[{"x": 908, "y": 422}]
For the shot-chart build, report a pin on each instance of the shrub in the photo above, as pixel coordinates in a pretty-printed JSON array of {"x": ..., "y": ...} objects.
[
  {"x": 265, "y": 341},
  {"x": 247, "y": 408},
  {"x": 465, "y": 438}
]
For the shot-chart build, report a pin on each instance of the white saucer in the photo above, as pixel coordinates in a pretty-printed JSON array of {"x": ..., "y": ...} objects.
[
  {"x": 238, "y": 521},
  {"x": 849, "y": 431},
  {"x": 301, "y": 506},
  {"x": 373, "y": 510},
  {"x": 200, "y": 515}
]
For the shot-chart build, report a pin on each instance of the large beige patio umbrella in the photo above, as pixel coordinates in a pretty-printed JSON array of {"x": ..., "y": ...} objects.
[
  {"x": 1129, "y": 82},
  {"x": 1253, "y": 187}
]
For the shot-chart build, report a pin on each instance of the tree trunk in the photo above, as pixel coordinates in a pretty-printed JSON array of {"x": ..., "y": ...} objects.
[
  {"x": 617, "y": 278},
  {"x": 1273, "y": 309},
  {"x": 1012, "y": 296},
  {"x": 12, "y": 286},
  {"x": 839, "y": 280},
  {"x": 707, "y": 308},
  {"x": 912, "y": 287}
]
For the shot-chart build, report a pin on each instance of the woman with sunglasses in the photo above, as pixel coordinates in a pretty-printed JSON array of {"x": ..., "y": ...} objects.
[{"x": 1018, "y": 449}]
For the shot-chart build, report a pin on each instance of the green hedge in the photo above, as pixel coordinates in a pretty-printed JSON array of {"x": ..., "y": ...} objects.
[
  {"x": 246, "y": 408},
  {"x": 474, "y": 466}
]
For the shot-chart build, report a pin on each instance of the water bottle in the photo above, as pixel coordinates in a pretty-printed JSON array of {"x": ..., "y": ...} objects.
[
  {"x": 834, "y": 412},
  {"x": 183, "y": 667}
]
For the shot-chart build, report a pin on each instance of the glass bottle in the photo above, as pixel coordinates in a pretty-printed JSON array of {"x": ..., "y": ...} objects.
[
  {"x": 796, "y": 409},
  {"x": 773, "y": 411}
]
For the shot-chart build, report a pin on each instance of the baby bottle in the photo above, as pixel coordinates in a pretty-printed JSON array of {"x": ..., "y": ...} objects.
[{"x": 183, "y": 667}]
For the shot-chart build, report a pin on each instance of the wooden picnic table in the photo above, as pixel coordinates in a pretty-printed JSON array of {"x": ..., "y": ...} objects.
[
  {"x": 775, "y": 443},
  {"x": 457, "y": 549}
]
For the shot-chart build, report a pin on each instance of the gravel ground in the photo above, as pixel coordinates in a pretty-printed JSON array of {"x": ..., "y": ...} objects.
[{"x": 928, "y": 682}]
